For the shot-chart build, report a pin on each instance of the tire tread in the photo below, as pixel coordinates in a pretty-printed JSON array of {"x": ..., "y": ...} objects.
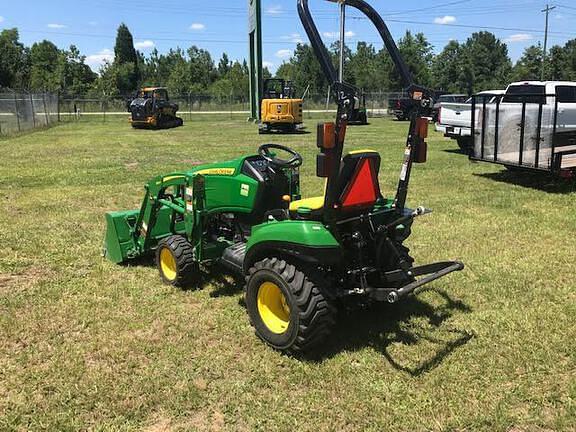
[{"x": 316, "y": 312}]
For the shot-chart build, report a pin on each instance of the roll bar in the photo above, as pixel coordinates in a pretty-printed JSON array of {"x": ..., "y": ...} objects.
[
  {"x": 322, "y": 53},
  {"x": 344, "y": 95}
]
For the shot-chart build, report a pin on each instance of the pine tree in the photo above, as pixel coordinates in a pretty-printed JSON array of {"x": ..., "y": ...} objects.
[
  {"x": 224, "y": 65},
  {"x": 529, "y": 67},
  {"x": 417, "y": 53},
  {"x": 126, "y": 60},
  {"x": 485, "y": 64},
  {"x": 446, "y": 68}
]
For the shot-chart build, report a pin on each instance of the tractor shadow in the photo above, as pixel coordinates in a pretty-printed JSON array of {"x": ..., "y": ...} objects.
[
  {"x": 400, "y": 332},
  {"x": 403, "y": 331},
  {"x": 218, "y": 280},
  {"x": 543, "y": 182}
]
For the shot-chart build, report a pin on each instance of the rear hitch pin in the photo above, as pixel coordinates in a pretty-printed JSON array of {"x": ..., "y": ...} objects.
[{"x": 421, "y": 211}]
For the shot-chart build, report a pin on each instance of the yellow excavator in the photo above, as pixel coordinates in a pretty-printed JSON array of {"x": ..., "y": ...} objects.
[{"x": 280, "y": 110}]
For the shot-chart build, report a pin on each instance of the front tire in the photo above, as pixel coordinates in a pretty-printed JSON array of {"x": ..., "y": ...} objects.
[
  {"x": 289, "y": 311},
  {"x": 175, "y": 261}
]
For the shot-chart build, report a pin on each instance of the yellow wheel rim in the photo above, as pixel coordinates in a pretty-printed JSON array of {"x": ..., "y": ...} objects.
[
  {"x": 273, "y": 308},
  {"x": 168, "y": 264}
]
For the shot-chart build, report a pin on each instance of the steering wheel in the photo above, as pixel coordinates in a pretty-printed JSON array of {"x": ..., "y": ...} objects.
[{"x": 294, "y": 162}]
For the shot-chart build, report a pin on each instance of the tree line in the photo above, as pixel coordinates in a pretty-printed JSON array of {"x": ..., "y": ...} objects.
[{"x": 480, "y": 63}]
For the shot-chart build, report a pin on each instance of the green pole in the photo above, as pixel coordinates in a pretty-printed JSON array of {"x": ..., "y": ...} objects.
[{"x": 255, "y": 39}]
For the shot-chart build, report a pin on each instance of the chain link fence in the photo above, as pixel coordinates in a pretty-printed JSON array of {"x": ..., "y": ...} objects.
[
  {"x": 22, "y": 111},
  {"x": 190, "y": 105}
]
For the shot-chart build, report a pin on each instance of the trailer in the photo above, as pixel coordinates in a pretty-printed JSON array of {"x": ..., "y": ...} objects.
[{"x": 532, "y": 127}]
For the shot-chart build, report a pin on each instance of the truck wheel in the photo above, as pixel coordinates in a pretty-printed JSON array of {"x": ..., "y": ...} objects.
[
  {"x": 175, "y": 261},
  {"x": 287, "y": 309}
]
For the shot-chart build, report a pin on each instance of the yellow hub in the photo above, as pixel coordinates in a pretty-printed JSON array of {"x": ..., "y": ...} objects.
[
  {"x": 273, "y": 308},
  {"x": 168, "y": 264}
]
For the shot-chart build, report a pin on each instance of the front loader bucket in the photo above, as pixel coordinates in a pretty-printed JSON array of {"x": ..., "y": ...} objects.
[{"x": 119, "y": 243}]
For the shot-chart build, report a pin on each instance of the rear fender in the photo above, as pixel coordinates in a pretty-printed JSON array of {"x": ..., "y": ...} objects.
[{"x": 304, "y": 240}]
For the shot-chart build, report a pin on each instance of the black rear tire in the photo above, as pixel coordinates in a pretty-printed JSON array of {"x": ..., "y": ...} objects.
[
  {"x": 176, "y": 263},
  {"x": 307, "y": 315}
]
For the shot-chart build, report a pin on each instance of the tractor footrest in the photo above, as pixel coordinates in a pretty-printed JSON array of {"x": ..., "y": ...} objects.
[
  {"x": 233, "y": 257},
  {"x": 431, "y": 272}
]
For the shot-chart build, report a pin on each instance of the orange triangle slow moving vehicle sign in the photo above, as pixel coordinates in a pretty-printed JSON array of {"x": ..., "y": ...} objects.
[{"x": 362, "y": 191}]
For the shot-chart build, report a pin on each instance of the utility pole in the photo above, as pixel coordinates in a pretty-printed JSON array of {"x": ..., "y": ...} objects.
[{"x": 547, "y": 11}]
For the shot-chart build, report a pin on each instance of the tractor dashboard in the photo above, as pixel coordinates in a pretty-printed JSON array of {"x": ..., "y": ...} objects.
[{"x": 257, "y": 167}]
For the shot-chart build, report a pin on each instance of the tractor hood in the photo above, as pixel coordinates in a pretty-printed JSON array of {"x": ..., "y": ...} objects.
[{"x": 227, "y": 168}]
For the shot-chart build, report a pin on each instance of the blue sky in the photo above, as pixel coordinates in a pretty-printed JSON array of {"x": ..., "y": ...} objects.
[{"x": 221, "y": 25}]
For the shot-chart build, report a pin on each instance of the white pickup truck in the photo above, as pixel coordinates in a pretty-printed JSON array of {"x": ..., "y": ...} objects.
[
  {"x": 455, "y": 119},
  {"x": 532, "y": 126}
]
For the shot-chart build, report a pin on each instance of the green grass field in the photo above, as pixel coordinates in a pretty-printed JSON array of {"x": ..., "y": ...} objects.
[{"x": 87, "y": 345}]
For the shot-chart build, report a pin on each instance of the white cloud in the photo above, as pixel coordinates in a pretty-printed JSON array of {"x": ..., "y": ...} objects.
[
  {"x": 294, "y": 37},
  {"x": 1, "y": 18},
  {"x": 446, "y": 19},
  {"x": 56, "y": 26},
  {"x": 336, "y": 35},
  {"x": 96, "y": 61},
  {"x": 520, "y": 37},
  {"x": 557, "y": 16},
  {"x": 284, "y": 53},
  {"x": 144, "y": 45},
  {"x": 93, "y": 23},
  {"x": 274, "y": 10},
  {"x": 268, "y": 64},
  {"x": 197, "y": 26}
]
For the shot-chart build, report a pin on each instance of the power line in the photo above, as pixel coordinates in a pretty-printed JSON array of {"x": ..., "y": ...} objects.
[
  {"x": 287, "y": 15},
  {"x": 435, "y": 7},
  {"x": 478, "y": 27},
  {"x": 565, "y": 7},
  {"x": 276, "y": 42}
]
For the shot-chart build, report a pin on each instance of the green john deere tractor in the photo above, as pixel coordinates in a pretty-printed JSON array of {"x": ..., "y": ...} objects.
[{"x": 300, "y": 257}]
